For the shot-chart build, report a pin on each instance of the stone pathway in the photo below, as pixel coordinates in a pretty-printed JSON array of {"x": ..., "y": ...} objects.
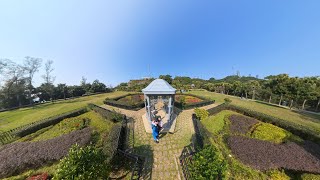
[{"x": 161, "y": 159}]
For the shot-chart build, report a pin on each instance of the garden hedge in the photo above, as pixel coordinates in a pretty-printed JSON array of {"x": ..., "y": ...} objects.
[
  {"x": 27, "y": 129},
  {"x": 114, "y": 102},
  {"x": 302, "y": 131},
  {"x": 107, "y": 114},
  {"x": 204, "y": 102},
  {"x": 33, "y": 127}
]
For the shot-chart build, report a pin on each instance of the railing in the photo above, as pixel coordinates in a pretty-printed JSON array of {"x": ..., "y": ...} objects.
[{"x": 186, "y": 159}]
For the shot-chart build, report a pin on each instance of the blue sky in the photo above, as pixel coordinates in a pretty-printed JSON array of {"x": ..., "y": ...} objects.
[{"x": 115, "y": 41}]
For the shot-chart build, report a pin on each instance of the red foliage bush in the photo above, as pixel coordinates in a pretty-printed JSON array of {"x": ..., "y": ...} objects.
[
  {"x": 241, "y": 124},
  {"x": 264, "y": 155},
  {"x": 18, "y": 157},
  {"x": 43, "y": 176}
]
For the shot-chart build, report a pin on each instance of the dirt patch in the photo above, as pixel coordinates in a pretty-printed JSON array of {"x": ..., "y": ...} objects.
[
  {"x": 18, "y": 157},
  {"x": 264, "y": 155}
]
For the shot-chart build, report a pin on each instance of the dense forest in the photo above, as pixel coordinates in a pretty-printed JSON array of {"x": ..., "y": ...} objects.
[
  {"x": 17, "y": 89},
  {"x": 298, "y": 92}
]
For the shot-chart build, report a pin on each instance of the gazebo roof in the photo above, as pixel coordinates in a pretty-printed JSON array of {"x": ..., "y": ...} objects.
[{"x": 159, "y": 86}]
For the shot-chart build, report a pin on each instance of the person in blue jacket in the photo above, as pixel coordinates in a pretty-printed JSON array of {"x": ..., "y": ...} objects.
[{"x": 155, "y": 130}]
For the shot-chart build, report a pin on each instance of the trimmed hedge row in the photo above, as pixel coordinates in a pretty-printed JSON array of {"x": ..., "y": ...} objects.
[
  {"x": 33, "y": 127},
  {"x": 110, "y": 115},
  {"x": 296, "y": 129},
  {"x": 27, "y": 129},
  {"x": 114, "y": 102}
]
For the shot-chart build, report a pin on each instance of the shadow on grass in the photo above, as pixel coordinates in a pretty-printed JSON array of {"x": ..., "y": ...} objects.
[
  {"x": 303, "y": 114},
  {"x": 272, "y": 105}
]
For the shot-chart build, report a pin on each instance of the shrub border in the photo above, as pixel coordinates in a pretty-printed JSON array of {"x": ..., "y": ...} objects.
[
  {"x": 114, "y": 102},
  {"x": 296, "y": 129},
  {"x": 8, "y": 136},
  {"x": 204, "y": 102}
]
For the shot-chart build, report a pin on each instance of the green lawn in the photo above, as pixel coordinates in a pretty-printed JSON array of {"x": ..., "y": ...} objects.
[
  {"x": 216, "y": 123},
  {"x": 303, "y": 119},
  {"x": 19, "y": 117}
]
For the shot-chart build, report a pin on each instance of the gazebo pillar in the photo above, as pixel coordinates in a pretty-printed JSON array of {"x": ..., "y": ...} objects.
[
  {"x": 170, "y": 107},
  {"x": 148, "y": 108}
]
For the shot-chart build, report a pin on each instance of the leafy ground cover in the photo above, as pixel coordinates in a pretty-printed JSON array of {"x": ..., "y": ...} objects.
[
  {"x": 19, "y": 117},
  {"x": 219, "y": 126},
  {"x": 20, "y": 156},
  {"x": 311, "y": 122},
  {"x": 264, "y": 155},
  {"x": 241, "y": 124}
]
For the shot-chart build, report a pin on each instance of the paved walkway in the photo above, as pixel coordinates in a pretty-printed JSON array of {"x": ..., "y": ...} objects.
[{"x": 161, "y": 159}]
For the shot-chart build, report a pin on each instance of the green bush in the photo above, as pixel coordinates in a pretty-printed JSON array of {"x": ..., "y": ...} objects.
[
  {"x": 310, "y": 176},
  {"x": 269, "y": 132},
  {"x": 206, "y": 164},
  {"x": 83, "y": 163},
  {"x": 278, "y": 175},
  {"x": 201, "y": 113},
  {"x": 107, "y": 114},
  {"x": 227, "y": 100}
]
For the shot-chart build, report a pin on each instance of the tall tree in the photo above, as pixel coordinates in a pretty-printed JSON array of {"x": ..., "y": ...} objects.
[
  {"x": 167, "y": 78},
  {"x": 49, "y": 78},
  {"x": 31, "y": 66},
  {"x": 98, "y": 86}
]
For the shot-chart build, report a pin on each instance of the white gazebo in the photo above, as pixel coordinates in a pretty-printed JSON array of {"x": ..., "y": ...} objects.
[{"x": 159, "y": 97}]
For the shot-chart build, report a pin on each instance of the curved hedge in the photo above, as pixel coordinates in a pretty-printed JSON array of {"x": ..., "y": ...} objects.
[
  {"x": 107, "y": 114},
  {"x": 204, "y": 102},
  {"x": 114, "y": 102},
  {"x": 302, "y": 131}
]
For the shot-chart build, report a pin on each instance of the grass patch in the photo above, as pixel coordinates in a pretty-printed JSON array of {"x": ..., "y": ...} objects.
[
  {"x": 216, "y": 123},
  {"x": 19, "y": 117},
  {"x": 269, "y": 132}
]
